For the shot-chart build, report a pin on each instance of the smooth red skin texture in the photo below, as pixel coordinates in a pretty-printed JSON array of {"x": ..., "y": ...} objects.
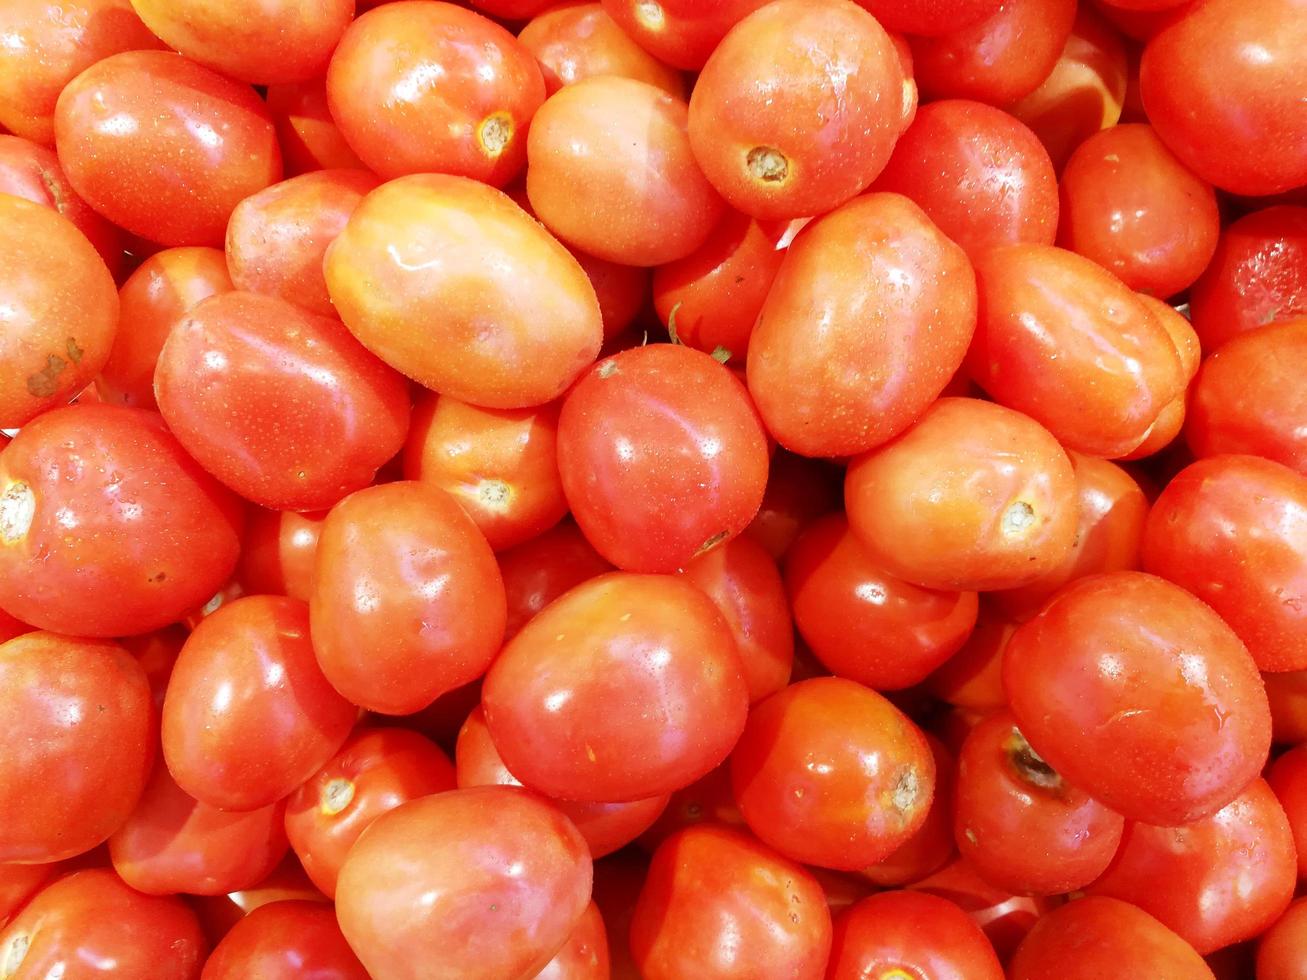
[
  {"x": 574, "y": 41},
  {"x": 376, "y": 770},
  {"x": 1109, "y": 531},
  {"x": 799, "y": 490},
  {"x": 1132, "y": 207},
  {"x": 1019, "y": 832},
  {"x": 407, "y": 602},
  {"x": 173, "y": 843},
  {"x": 617, "y": 883},
  {"x": 255, "y": 387},
  {"x": 1280, "y": 951},
  {"x": 19, "y": 883},
  {"x": 998, "y": 60},
  {"x": 620, "y": 289},
  {"x": 1004, "y": 918},
  {"x": 288, "y": 883},
  {"x": 60, "y": 312},
  {"x": 285, "y": 940},
  {"x": 1066, "y": 342},
  {"x": 717, "y": 904},
  {"x": 864, "y": 623},
  {"x": 606, "y": 827},
  {"x": 165, "y": 287},
  {"x": 709, "y": 799},
  {"x": 817, "y": 81},
  {"x": 1257, "y": 276},
  {"x": 78, "y": 747},
  {"x": 932, "y": 845},
  {"x": 129, "y": 569},
  {"x": 1287, "y": 778},
  {"x": 308, "y": 136},
  {"x": 483, "y": 884},
  {"x": 1217, "y": 881},
  {"x": 538, "y": 571},
  {"x": 742, "y": 580},
  {"x": 453, "y": 284},
  {"x": 1287, "y": 694},
  {"x": 248, "y": 715},
  {"x": 1139, "y": 694},
  {"x": 662, "y": 457},
  {"x": 935, "y": 506},
  {"x": 585, "y": 954},
  {"x": 982, "y": 176},
  {"x": 904, "y": 933},
  {"x": 1093, "y": 937},
  {"x": 501, "y": 465},
  {"x": 867, "y": 320},
  {"x": 502, "y": 9},
  {"x": 627, "y": 687},
  {"x": 972, "y": 679},
  {"x": 929, "y": 17},
  {"x": 412, "y": 84},
  {"x": 134, "y": 134},
  {"x": 90, "y": 924},
  {"x": 682, "y": 33},
  {"x": 1233, "y": 531},
  {"x": 1232, "y": 68},
  {"x": 1250, "y": 397},
  {"x": 252, "y": 40},
  {"x": 279, "y": 551},
  {"x": 870, "y": 792},
  {"x": 11, "y": 627}
]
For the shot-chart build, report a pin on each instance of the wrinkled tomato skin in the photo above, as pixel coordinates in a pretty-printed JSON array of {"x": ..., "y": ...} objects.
[
  {"x": 285, "y": 941},
  {"x": 682, "y": 33},
  {"x": 308, "y": 136},
  {"x": 278, "y": 552},
  {"x": 905, "y": 933},
  {"x": 538, "y": 571},
  {"x": 931, "y": 846},
  {"x": 585, "y": 954},
  {"x": 1287, "y": 778}
]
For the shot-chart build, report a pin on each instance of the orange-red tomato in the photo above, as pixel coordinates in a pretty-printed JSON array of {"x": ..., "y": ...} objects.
[
  {"x": 538, "y": 571},
  {"x": 799, "y": 491},
  {"x": 1287, "y": 778},
  {"x": 1287, "y": 694},
  {"x": 19, "y": 883},
  {"x": 1280, "y": 948},
  {"x": 931, "y": 846},
  {"x": 574, "y": 41},
  {"x": 309, "y": 138},
  {"x": 708, "y": 799},
  {"x": 682, "y": 33},
  {"x": 1170, "y": 421},
  {"x": 285, "y": 940},
  {"x": 278, "y": 552},
  {"x": 585, "y": 954},
  {"x": 503, "y": 9},
  {"x": 287, "y": 883},
  {"x": 928, "y": 17},
  {"x": 972, "y": 679},
  {"x": 906, "y": 933},
  {"x": 1003, "y": 917}
]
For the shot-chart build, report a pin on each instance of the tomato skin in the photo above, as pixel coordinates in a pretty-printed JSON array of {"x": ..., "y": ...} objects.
[
  {"x": 249, "y": 715},
  {"x": 278, "y": 552},
  {"x": 799, "y": 491},
  {"x": 931, "y": 846},
  {"x": 1232, "y": 68},
  {"x": 580, "y": 40},
  {"x": 421, "y": 87},
  {"x": 1279, "y": 951},
  {"x": 708, "y": 799},
  {"x": 1170, "y": 421},
  {"x": 501, "y": 278},
  {"x": 1287, "y": 778},
  {"x": 843, "y": 814},
  {"x": 798, "y": 108},
  {"x": 1287, "y": 694},
  {"x": 508, "y": 878},
  {"x": 910, "y": 933},
  {"x": 287, "y": 883},
  {"x": 662, "y": 457},
  {"x": 717, "y": 903},
  {"x": 587, "y": 719},
  {"x": 181, "y": 190},
  {"x": 284, "y": 941},
  {"x": 538, "y": 571},
  {"x": 1166, "y": 728},
  {"x": 1003, "y": 917},
  {"x": 308, "y": 136},
  {"x": 929, "y": 17},
  {"x": 253, "y": 387},
  {"x": 585, "y": 954},
  {"x": 19, "y": 883},
  {"x": 867, "y": 320},
  {"x": 432, "y": 610},
  {"x": 130, "y": 569},
  {"x": 682, "y": 33}
]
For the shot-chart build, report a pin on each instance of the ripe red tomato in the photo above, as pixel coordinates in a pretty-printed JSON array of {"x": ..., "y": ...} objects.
[
  {"x": 1004, "y": 918},
  {"x": 278, "y": 552},
  {"x": 538, "y": 571},
  {"x": 288, "y": 883},
  {"x": 931, "y": 846},
  {"x": 1170, "y": 421},
  {"x": 927, "y": 17},
  {"x": 1287, "y": 777},
  {"x": 972, "y": 679},
  {"x": 1280, "y": 949},
  {"x": 308, "y": 136},
  {"x": 1287, "y": 694},
  {"x": 585, "y": 954},
  {"x": 904, "y": 933},
  {"x": 683, "y": 33},
  {"x": 19, "y": 883},
  {"x": 285, "y": 940},
  {"x": 799, "y": 490}
]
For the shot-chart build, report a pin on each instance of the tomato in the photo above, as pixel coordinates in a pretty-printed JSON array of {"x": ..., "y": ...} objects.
[
  {"x": 538, "y": 571},
  {"x": 1139, "y": 694},
  {"x": 157, "y": 654},
  {"x": 156, "y": 535},
  {"x": 683, "y": 33},
  {"x": 798, "y": 108},
  {"x": 451, "y": 283},
  {"x": 278, "y": 552},
  {"x": 645, "y": 696},
  {"x": 708, "y": 799},
  {"x": 585, "y": 954},
  {"x": 251, "y": 40},
  {"x": 662, "y": 457},
  {"x": 287, "y": 883},
  {"x": 931, "y": 846},
  {"x": 19, "y": 883},
  {"x": 157, "y": 116},
  {"x": 308, "y": 136},
  {"x": 1170, "y": 421},
  {"x": 867, "y": 320},
  {"x": 927, "y": 17},
  {"x": 716, "y": 903},
  {"x": 618, "y": 880},
  {"x": 1092, "y": 937},
  {"x": 174, "y": 843},
  {"x": 407, "y": 600},
  {"x": 283, "y": 941},
  {"x": 419, "y": 87},
  {"x": 1233, "y": 69},
  {"x": 1287, "y": 694},
  {"x": 798, "y": 491},
  {"x": 903, "y": 933},
  {"x": 1287, "y": 777},
  {"x": 1004, "y": 918},
  {"x": 1280, "y": 949},
  {"x": 472, "y": 883}
]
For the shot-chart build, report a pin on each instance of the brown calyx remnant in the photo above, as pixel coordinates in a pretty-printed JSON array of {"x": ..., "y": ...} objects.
[
  {"x": 1028, "y": 764},
  {"x": 768, "y": 165}
]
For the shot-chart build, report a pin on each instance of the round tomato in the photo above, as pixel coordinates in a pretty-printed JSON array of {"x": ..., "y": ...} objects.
[
  {"x": 909, "y": 934},
  {"x": 278, "y": 552},
  {"x": 1287, "y": 777},
  {"x": 683, "y": 33},
  {"x": 585, "y": 954},
  {"x": 286, "y": 940}
]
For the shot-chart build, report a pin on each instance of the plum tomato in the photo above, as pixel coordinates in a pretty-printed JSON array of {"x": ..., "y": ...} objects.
[
  {"x": 164, "y": 147},
  {"x": 585, "y": 954},
  {"x": 830, "y": 773},
  {"x": 155, "y": 537},
  {"x": 1287, "y": 778},
  {"x": 927, "y": 17},
  {"x": 798, "y": 108},
  {"x": 309, "y": 138},
  {"x": 662, "y": 456},
  {"x": 682, "y": 33},
  {"x": 538, "y": 571},
  {"x": 421, "y": 86},
  {"x": 453, "y": 284},
  {"x": 1170, "y": 421},
  {"x": 931, "y": 845},
  {"x": 278, "y": 552},
  {"x": 718, "y": 904},
  {"x": 868, "y": 318},
  {"x": 407, "y": 602},
  {"x": 1139, "y": 694},
  {"x": 471, "y": 884},
  {"x": 974, "y": 497},
  {"x": 1280, "y": 948},
  {"x": 628, "y": 686},
  {"x": 285, "y": 940}
]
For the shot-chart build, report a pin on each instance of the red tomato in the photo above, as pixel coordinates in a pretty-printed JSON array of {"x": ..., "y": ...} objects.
[
  {"x": 164, "y": 147},
  {"x": 1003, "y": 917},
  {"x": 1139, "y": 694},
  {"x": 19, "y": 883},
  {"x": 420, "y": 87},
  {"x": 1287, "y": 777},
  {"x": 618, "y": 880},
  {"x": 932, "y": 845},
  {"x": 278, "y": 552},
  {"x": 1287, "y": 694},
  {"x": 585, "y": 954},
  {"x": 798, "y": 491},
  {"x": 503, "y": 9},
  {"x": 1280, "y": 949},
  {"x": 155, "y": 535},
  {"x": 538, "y": 571},
  {"x": 288, "y": 883},
  {"x": 1170, "y": 421},
  {"x": 708, "y": 799},
  {"x": 451, "y": 283},
  {"x": 474, "y": 883},
  {"x": 910, "y": 934},
  {"x": 248, "y": 715},
  {"x": 157, "y": 653},
  {"x": 662, "y": 457},
  {"x": 930, "y": 16},
  {"x": 866, "y": 322},
  {"x": 407, "y": 600},
  {"x": 285, "y": 941},
  {"x": 682, "y": 33},
  {"x": 308, "y": 136},
  {"x": 645, "y": 696},
  {"x": 972, "y": 679}
]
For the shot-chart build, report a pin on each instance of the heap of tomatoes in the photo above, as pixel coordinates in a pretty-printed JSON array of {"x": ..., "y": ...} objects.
[{"x": 667, "y": 489}]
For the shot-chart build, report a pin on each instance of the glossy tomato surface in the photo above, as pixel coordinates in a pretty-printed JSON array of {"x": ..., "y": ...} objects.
[
  {"x": 910, "y": 933},
  {"x": 285, "y": 941}
]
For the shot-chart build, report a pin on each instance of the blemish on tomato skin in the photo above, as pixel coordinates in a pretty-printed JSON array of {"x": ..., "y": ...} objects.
[
  {"x": 17, "y": 511},
  {"x": 45, "y": 383}
]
